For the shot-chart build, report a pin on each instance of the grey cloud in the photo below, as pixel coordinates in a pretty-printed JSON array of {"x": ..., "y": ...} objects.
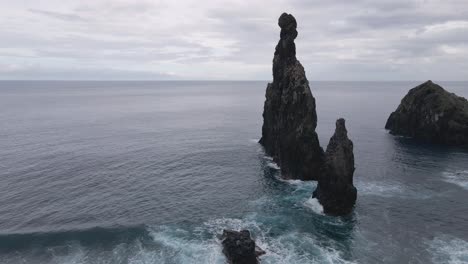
[
  {"x": 40, "y": 73},
  {"x": 384, "y": 39},
  {"x": 57, "y": 15},
  {"x": 399, "y": 20}
]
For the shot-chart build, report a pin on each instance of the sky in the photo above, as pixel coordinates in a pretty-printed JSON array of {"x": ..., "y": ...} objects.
[{"x": 359, "y": 40}]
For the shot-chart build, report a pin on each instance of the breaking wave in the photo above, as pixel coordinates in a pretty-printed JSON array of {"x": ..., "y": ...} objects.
[
  {"x": 449, "y": 250},
  {"x": 459, "y": 178},
  {"x": 314, "y": 204}
]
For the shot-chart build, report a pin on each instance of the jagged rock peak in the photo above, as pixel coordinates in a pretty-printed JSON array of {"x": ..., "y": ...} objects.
[
  {"x": 335, "y": 190},
  {"x": 340, "y": 130},
  {"x": 339, "y": 157},
  {"x": 286, "y": 47},
  {"x": 289, "y": 115}
]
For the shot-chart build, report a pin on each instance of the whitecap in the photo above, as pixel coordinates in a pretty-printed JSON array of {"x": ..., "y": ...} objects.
[
  {"x": 273, "y": 165},
  {"x": 285, "y": 249},
  {"x": 181, "y": 246},
  {"x": 448, "y": 250},
  {"x": 217, "y": 225},
  {"x": 459, "y": 178},
  {"x": 314, "y": 204},
  {"x": 254, "y": 140},
  {"x": 384, "y": 189},
  {"x": 292, "y": 182},
  {"x": 279, "y": 249},
  {"x": 76, "y": 254},
  {"x": 202, "y": 244}
]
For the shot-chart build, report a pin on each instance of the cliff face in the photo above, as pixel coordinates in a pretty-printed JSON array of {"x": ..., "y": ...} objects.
[
  {"x": 289, "y": 116},
  {"x": 335, "y": 190},
  {"x": 430, "y": 113}
]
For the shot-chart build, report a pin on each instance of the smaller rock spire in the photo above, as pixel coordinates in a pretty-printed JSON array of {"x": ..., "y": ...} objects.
[
  {"x": 340, "y": 130},
  {"x": 335, "y": 190}
]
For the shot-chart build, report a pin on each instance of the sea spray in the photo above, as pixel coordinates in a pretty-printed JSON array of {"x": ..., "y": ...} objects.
[{"x": 314, "y": 204}]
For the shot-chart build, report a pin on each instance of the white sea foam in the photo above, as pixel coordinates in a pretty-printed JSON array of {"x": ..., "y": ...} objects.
[
  {"x": 273, "y": 165},
  {"x": 459, "y": 178},
  {"x": 279, "y": 249},
  {"x": 299, "y": 185},
  {"x": 285, "y": 249},
  {"x": 76, "y": 255},
  {"x": 292, "y": 182},
  {"x": 180, "y": 246},
  {"x": 448, "y": 250},
  {"x": 270, "y": 163},
  {"x": 384, "y": 189},
  {"x": 254, "y": 140},
  {"x": 314, "y": 204}
]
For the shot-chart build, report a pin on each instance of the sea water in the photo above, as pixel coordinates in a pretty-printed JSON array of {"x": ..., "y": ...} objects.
[{"x": 152, "y": 172}]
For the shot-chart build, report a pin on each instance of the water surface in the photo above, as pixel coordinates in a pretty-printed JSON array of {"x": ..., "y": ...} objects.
[{"x": 151, "y": 172}]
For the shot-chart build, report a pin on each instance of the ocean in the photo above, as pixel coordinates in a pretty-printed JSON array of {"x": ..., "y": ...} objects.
[{"x": 152, "y": 172}]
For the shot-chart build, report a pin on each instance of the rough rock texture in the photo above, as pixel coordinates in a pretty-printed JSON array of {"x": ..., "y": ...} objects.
[
  {"x": 289, "y": 116},
  {"x": 430, "y": 113},
  {"x": 240, "y": 248},
  {"x": 335, "y": 190}
]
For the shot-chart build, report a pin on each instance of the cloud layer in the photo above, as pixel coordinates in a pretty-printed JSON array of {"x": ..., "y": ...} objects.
[{"x": 235, "y": 40}]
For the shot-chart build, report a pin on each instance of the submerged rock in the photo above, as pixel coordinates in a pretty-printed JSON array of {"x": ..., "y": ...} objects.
[
  {"x": 335, "y": 190},
  {"x": 430, "y": 113},
  {"x": 240, "y": 248},
  {"x": 289, "y": 116}
]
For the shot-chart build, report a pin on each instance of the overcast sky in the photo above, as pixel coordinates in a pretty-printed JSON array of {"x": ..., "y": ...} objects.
[{"x": 232, "y": 40}]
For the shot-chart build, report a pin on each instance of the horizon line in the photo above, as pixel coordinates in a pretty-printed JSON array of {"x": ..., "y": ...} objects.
[{"x": 207, "y": 80}]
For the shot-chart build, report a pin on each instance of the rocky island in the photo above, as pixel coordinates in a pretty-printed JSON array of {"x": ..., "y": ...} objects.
[
  {"x": 335, "y": 190},
  {"x": 289, "y": 116},
  {"x": 430, "y": 113},
  {"x": 240, "y": 248}
]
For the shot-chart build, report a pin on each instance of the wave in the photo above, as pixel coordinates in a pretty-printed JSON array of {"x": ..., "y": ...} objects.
[
  {"x": 254, "y": 140},
  {"x": 450, "y": 250},
  {"x": 286, "y": 239},
  {"x": 174, "y": 244},
  {"x": 269, "y": 162},
  {"x": 185, "y": 245},
  {"x": 87, "y": 237},
  {"x": 289, "y": 247},
  {"x": 459, "y": 178},
  {"x": 271, "y": 224},
  {"x": 273, "y": 165},
  {"x": 315, "y": 205},
  {"x": 384, "y": 189}
]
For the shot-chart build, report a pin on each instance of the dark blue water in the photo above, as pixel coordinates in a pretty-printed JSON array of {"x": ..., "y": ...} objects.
[{"x": 151, "y": 172}]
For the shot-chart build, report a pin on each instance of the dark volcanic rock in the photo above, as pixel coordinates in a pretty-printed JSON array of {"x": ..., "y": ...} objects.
[
  {"x": 335, "y": 190},
  {"x": 430, "y": 113},
  {"x": 289, "y": 116},
  {"x": 240, "y": 248}
]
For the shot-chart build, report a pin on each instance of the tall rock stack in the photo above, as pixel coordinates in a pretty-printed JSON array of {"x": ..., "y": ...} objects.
[
  {"x": 288, "y": 132},
  {"x": 335, "y": 190},
  {"x": 289, "y": 116}
]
